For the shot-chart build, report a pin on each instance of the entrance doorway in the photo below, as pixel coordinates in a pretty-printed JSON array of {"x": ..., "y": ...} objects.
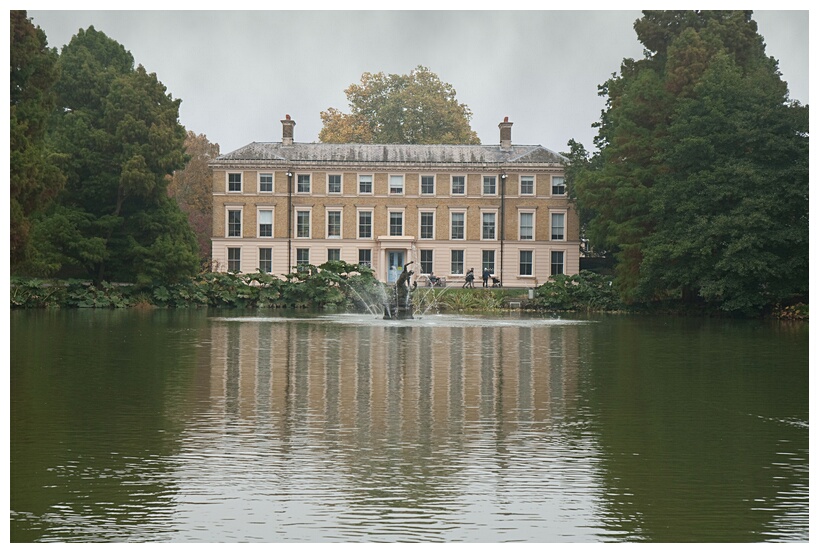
[{"x": 395, "y": 264}]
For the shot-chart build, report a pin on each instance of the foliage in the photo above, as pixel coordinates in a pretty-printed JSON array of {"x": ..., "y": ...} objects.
[
  {"x": 118, "y": 132},
  {"x": 400, "y": 109},
  {"x": 34, "y": 177},
  {"x": 700, "y": 185},
  {"x": 585, "y": 291},
  {"x": 191, "y": 187}
]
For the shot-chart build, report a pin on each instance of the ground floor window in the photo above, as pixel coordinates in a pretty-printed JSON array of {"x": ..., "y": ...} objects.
[
  {"x": 333, "y": 254},
  {"x": 457, "y": 265},
  {"x": 526, "y": 263},
  {"x": 266, "y": 260},
  {"x": 234, "y": 260},
  {"x": 302, "y": 257},
  {"x": 557, "y": 263},
  {"x": 365, "y": 257},
  {"x": 426, "y": 262},
  {"x": 488, "y": 260}
]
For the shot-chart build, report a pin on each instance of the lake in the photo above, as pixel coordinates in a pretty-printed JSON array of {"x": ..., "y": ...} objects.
[{"x": 269, "y": 426}]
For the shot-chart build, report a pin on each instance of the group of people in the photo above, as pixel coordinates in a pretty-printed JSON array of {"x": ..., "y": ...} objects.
[{"x": 469, "y": 282}]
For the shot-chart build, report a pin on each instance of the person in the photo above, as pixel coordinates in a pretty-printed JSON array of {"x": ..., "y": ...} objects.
[
  {"x": 486, "y": 275},
  {"x": 470, "y": 276},
  {"x": 433, "y": 280}
]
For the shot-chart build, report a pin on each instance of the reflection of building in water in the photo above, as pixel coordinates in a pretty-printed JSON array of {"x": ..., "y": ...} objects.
[{"x": 412, "y": 382}]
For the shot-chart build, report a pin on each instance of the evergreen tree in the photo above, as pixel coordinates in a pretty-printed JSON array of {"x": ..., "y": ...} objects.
[
  {"x": 400, "y": 109},
  {"x": 34, "y": 176},
  {"x": 120, "y": 132},
  {"x": 700, "y": 185}
]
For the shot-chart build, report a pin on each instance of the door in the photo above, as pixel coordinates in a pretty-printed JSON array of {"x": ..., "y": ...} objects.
[{"x": 395, "y": 264}]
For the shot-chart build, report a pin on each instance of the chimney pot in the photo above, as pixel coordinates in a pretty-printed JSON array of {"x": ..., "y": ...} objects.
[
  {"x": 287, "y": 130},
  {"x": 505, "y": 134}
]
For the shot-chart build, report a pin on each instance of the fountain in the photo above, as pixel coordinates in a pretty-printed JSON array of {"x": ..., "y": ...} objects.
[{"x": 393, "y": 302}]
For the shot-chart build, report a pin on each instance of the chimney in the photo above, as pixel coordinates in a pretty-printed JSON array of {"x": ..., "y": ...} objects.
[
  {"x": 287, "y": 131},
  {"x": 505, "y": 134}
]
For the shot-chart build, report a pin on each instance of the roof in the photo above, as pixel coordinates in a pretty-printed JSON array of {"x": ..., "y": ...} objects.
[{"x": 390, "y": 153}]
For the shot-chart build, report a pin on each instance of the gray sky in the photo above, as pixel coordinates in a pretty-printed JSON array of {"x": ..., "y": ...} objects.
[{"x": 239, "y": 72}]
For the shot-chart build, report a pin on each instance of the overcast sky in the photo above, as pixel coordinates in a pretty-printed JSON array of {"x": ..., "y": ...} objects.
[{"x": 239, "y": 72}]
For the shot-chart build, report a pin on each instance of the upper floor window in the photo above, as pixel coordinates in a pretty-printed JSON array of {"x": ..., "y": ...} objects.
[
  {"x": 302, "y": 224},
  {"x": 303, "y": 184},
  {"x": 558, "y": 220},
  {"x": 334, "y": 184},
  {"x": 488, "y": 226},
  {"x": 427, "y": 184},
  {"x": 527, "y": 226},
  {"x": 458, "y": 185},
  {"x": 396, "y": 184},
  {"x": 365, "y": 184},
  {"x": 334, "y": 224},
  {"x": 527, "y": 186},
  {"x": 396, "y": 223},
  {"x": 490, "y": 186},
  {"x": 365, "y": 224},
  {"x": 234, "y": 182},
  {"x": 265, "y": 222},
  {"x": 458, "y": 225},
  {"x": 266, "y": 182},
  {"x": 234, "y": 222},
  {"x": 427, "y": 225},
  {"x": 558, "y": 186}
]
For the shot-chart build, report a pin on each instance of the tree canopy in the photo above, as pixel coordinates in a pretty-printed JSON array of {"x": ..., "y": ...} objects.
[
  {"x": 400, "y": 109},
  {"x": 119, "y": 134},
  {"x": 700, "y": 185}
]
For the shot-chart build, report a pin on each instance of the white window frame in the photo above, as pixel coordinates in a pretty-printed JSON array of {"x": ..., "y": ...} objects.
[
  {"x": 227, "y": 258},
  {"x": 227, "y": 182},
  {"x": 340, "y": 183},
  {"x": 562, "y": 262},
  {"x": 421, "y": 261},
  {"x": 390, "y": 186},
  {"x": 241, "y": 210},
  {"x": 259, "y": 182},
  {"x": 532, "y": 263},
  {"x": 302, "y": 248},
  {"x": 270, "y": 249},
  {"x": 520, "y": 185},
  {"x": 483, "y": 185},
  {"x": 309, "y": 211},
  {"x": 534, "y": 224},
  {"x": 421, "y": 185},
  {"x": 358, "y": 213},
  {"x": 551, "y": 226},
  {"x": 552, "y": 186},
  {"x": 490, "y": 212},
  {"x": 371, "y": 176},
  {"x": 422, "y": 211},
  {"x": 452, "y": 185},
  {"x": 333, "y": 250},
  {"x": 309, "y": 183},
  {"x": 327, "y": 212},
  {"x": 463, "y": 261},
  {"x": 452, "y": 212},
  {"x": 370, "y": 252},
  {"x": 259, "y": 211},
  {"x": 390, "y": 212}
]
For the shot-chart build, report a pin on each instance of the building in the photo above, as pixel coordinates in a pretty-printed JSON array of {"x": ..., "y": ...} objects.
[{"x": 447, "y": 208}]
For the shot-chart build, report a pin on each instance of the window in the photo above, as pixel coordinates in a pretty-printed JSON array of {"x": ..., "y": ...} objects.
[
  {"x": 365, "y": 184},
  {"x": 302, "y": 257},
  {"x": 427, "y": 184},
  {"x": 365, "y": 224},
  {"x": 365, "y": 257},
  {"x": 333, "y": 254},
  {"x": 526, "y": 263},
  {"x": 396, "y": 184},
  {"x": 265, "y": 260},
  {"x": 265, "y": 223},
  {"x": 396, "y": 223},
  {"x": 427, "y": 225},
  {"x": 488, "y": 260},
  {"x": 334, "y": 184},
  {"x": 426, "y": 261},
  {"x": 527, "y": 186},
  {"x": 458, "y": 185},
  {"x": 235, "y": 222},
  {"x": 557, "y": 226},
  {"x": 527, "y": 226},
  {"x": 266, "y": 182},
  {"x": 557, "y": 263},
  {"x": 558, "y": 186},
  {"x": 234, "y": 260},
  {"x": 302, "y": 224},
  {"x": 303, "y": 184},
  {"x": 457, "y": 225},
  {"x": 489, "y": 186},
  {"x": 234, "y": 182},
  {"x": 457, "y": 263},
  {"x": 333, "y": 224},
  {"x": 488, "y": 226}
]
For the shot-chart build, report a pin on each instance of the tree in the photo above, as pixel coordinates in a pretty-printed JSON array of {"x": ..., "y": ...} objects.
[
  {"x": 34, "y": 176},
  {"x": 191, "y": 187},
  {"x": 400, "y": 109},
  {"x": 120, "y": 132},
  {"x": 700, "y": 185}
]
